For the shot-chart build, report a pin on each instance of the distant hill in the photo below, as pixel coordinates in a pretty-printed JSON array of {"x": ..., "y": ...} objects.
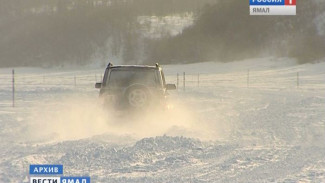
[
  {"x": 76, "y": 32},
  {"x": 225, "y": 32},
  {"x": 80, "y": 32}
]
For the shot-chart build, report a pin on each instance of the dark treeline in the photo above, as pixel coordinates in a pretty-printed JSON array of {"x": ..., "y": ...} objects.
[
  {"x": 76, "y": 32},
  {"x": 73, "y": 32},
  {"x": 225, "y": 31}
]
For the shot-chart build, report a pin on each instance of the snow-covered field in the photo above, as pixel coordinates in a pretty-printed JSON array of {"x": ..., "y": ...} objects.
[{"x": 220, "y": 130}]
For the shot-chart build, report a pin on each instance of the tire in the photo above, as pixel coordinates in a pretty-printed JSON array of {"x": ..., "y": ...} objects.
[{"x": 137, "y": 97}]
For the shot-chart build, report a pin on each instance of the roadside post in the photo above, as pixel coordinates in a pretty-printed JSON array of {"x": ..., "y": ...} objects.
[
  {"x": 248, "y": 78},
  {"x": 198, "y": 80},
  {"x": 13, "y": 87},
  {"x": 184, "y": 81},
  {"x": 298, "y": 84},
  {"x": 75, "y": 81},
  {"x": 177, "y": 81}
]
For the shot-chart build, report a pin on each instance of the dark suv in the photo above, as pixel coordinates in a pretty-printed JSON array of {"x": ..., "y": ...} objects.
[{"x": 134, "y": 87}]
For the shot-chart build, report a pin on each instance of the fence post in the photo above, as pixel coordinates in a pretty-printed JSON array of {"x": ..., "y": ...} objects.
[
  {"x": 198, "y": 80},
  {"x": 177, "y": 83},
  {"x": 13, "y": 88},
  {"x": 248, "y": 78},
  {"x": 298, "y": 80},
  {"x": 184, "y": 81},
  {"x": 75, "y": 81}
]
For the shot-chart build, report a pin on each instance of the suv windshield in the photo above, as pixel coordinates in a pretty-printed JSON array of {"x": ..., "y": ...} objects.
[{"x": 125, "y": 78}]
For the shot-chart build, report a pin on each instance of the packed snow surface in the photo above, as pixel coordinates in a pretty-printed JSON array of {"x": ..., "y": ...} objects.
[{"x": 259, "y": 120}]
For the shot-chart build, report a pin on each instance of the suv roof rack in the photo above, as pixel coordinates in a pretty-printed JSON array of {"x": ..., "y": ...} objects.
[{"x": 111, "y": 65}]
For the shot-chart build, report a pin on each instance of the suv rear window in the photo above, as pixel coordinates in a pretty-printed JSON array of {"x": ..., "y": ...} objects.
[{"x": 125, "y": 78}]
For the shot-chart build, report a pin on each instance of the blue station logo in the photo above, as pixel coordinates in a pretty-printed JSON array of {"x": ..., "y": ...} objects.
[
  {"x": 52, "y": 173},
  {"x": 272, "y": 7},
  {"x": 267, "y": 2},
  {"x": 46, "y": 169}
]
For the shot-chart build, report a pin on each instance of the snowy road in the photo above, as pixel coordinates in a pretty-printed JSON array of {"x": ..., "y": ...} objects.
[{"x": 220, "y": 132}]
